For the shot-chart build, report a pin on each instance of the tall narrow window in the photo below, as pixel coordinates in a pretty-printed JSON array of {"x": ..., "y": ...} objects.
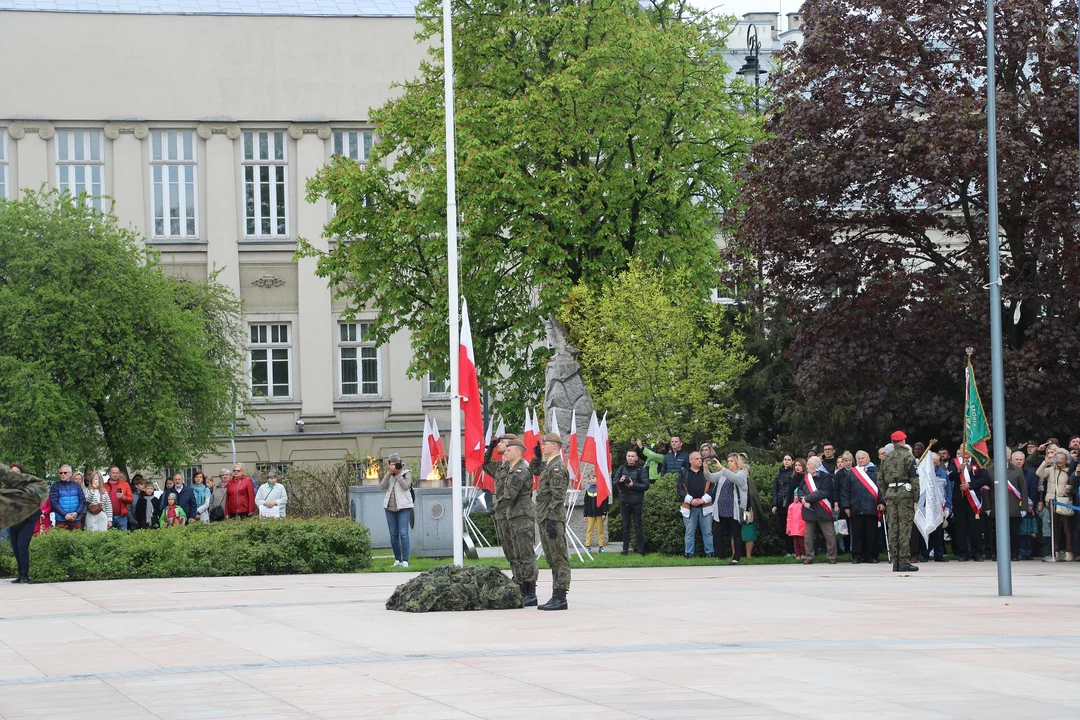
[
  {"x": 359, "y": 361},
  {"x": 355, "y": 144},
  {"x": 79, "y": 164},
  {"x": 271, "y": 361},
  {"x": 172, "y": 170},
  {"x": 437, "y": 386},
  {"x": 265, "y": 162},
  {"x": 4, "y": 182}
]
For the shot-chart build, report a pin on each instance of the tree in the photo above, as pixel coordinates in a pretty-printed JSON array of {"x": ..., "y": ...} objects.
[
  {"x": 104, "y": 359},
  {"x": 868, "y": 210},
  {"x": 657, "y": 360},
  {"x": 588, "y": 133}
]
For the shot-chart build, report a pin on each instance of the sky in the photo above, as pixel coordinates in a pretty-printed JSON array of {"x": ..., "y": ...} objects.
[{"x": 738, "y": 7}]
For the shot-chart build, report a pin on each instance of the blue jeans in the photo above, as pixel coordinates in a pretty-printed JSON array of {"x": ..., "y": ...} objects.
[
  {"x": 398, "y": 522},
  {"x": 698, "y": 519},
  {"x": 120, "y": 522}
]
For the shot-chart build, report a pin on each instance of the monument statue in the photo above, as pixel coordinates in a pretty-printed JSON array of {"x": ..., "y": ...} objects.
[{"x": 564, "y": 387}]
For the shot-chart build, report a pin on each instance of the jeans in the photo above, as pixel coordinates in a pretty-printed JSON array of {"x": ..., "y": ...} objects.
[
  {"x": 120, "y": 522},
  {"x": 631, "y": 515},
  {"x": 398, "y": 522},
  {"x": 698, "y": 519},
  {"x": 20, "y": 536}
]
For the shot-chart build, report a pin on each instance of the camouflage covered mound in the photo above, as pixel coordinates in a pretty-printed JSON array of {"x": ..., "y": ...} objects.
[{"x": 449, "y": 587}]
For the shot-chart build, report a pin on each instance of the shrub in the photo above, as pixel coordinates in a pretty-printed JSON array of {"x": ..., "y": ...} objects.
[
  {"x": 320, "y": 490},
  {"x": 663, "y": 524},
  {"x": 238, "y": 547}
]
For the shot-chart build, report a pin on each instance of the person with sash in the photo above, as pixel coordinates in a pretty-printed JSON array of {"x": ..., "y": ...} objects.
[
  {"x": 1020, "y": 503},
  {"x": 817, "y": 498},
  {"x": 967, "y": 480},
  {"x": 861, "y": 505},
  {"x": 695, "y": 489},
  {"x": 899, "y": 484}
]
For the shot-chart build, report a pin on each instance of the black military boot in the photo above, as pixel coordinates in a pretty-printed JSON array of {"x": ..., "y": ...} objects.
[
  {"x": 896, "y": 566},
  {"x": 528, "y": 594},
  {"x": 907, "y": 567},
  {"x": 557, "y": 601}
]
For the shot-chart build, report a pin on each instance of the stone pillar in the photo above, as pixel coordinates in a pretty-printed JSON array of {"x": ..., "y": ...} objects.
[
  {"x": 222, "y": 200},
  {"x": 315, "y": 332},
  {"x": 33, "y": 153},
  {"x": 129, "y": 186}
]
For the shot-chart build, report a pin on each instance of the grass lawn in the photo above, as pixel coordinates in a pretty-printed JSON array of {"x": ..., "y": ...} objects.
[{"x": 383, "y": 563}]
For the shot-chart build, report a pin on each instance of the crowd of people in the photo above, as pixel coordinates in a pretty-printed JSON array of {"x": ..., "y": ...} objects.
[
  {"x": 840, "y": 497},
  {"x": 87, "y": 501}
]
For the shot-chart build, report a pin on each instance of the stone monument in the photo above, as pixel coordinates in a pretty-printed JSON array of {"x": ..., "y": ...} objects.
[{"x": 564, "y": 387}]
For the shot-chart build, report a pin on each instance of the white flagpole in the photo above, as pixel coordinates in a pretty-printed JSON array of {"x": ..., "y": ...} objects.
[{"x": 453, "y": 465}]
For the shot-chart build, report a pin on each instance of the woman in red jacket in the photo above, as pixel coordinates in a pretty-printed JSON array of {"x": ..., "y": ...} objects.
[{"x": 239, "y": 494}]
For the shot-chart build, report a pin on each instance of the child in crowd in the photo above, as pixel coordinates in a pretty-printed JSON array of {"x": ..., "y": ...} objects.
[
  {"x": 595, "y": 516},
  {"x": 796, "y": 527},
  {"x": 172, "y": 515},
  {"x": 1043, "y": 540}
]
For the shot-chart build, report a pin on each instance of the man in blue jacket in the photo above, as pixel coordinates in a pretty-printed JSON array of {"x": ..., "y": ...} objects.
[
  {"x": 68, "y": 501},
  {"x": 185, "y": 497}
]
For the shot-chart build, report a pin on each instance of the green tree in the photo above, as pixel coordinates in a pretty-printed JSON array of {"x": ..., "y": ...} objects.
[
  {"x": 103, "y": 358},
  {"x": 588, "y": 133},
  {"x": 657, "y": 360}
]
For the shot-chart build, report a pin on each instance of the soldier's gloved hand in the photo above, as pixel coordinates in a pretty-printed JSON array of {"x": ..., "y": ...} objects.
[
  {"x": 552, "y": 530},
  {"x": 537, "y": 450},
  {"x": 493, "y": 444}
]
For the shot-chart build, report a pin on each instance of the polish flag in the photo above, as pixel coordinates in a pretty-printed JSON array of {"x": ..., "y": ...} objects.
[
  {"x": 482, "y": 479},
  {"x": 555, "y": 429},
  {"x": 606, "y": 466},
  {"x": 426, "y": 461},
  {"x": 469, "y": 388},
  {"x": 595, "y": 452},
  {"x": 574, "y": 462},
  {"x": 528, "y": 435},
  {"x": 438, "y": 450}
]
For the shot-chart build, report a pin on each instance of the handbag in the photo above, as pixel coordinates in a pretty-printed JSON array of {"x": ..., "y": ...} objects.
[
  {"x": 841, "y": 527},
  {"x": 1062, "y": 509},
  {"x": 748, "y": 517},
  {"x": 96, "y": 508}
]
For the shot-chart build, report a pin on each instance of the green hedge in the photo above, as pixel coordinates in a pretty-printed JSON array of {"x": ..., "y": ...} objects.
[
  {"x": 237, "y": 547},
  {"x": 663, "y": 524}
]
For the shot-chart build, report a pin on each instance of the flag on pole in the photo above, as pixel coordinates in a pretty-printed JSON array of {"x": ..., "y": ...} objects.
[
  {"x": 426, "y": 461},
  {"x": 438, "y": 450},
  {"x": 594, "y": 452},
  {"x": 976, "y": 430},
  {"x": 480, "y": 478},
  {"x": 469, "y": 388},
  {"x": 605, "y": 464},
  {"x": 573, "y": 460},
  {"x": 930, "y": 512},
  {"x": 528, "y": 435},
  {"x": 555, "y": 429}
]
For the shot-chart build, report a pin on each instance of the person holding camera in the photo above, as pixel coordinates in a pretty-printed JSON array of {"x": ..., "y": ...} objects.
[
  {"x": 397, "y": 503},
  {"x": 631, "y": 483}
]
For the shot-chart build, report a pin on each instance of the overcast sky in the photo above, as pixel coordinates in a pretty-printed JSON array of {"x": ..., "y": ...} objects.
[{"x": 738, "y": 7}]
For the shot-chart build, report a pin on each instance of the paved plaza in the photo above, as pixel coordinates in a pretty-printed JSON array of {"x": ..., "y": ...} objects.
[{"x": 695, "y": 642}]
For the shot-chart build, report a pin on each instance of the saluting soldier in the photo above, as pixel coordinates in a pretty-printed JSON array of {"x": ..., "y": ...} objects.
[
  {"x": 514, "y": 503},
  {"x": 551, "y": 515},
  {"x": 899, "y": 484}
]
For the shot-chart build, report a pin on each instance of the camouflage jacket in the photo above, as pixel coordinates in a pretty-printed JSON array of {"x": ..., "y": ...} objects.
[
  {"x": 498, "y": 470},
  {"x": 517, "y": 492},
  {"x": 551, "y": 492},
  {"x": 898, "y": 467},
  {"x": 20, "y": 496}
]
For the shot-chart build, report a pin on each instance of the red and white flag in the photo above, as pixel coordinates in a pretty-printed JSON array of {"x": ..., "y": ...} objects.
[
  {"x": 426, "y": 461},
  {"x": 528, "y": 435},
  {"x": 595, "y": 452},
  {"x": 573, "y": 462},
  {"x": 438, "y": 450},
  {"x": 469, "y": 387},
  {"x": 555, "y": 429},
  {"x": 607, "y": 451}
]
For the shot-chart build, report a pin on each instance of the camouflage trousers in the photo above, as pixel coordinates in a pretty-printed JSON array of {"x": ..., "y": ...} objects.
[
  {"x": 519, "y": 546},
  {"x": 558, "y": 557},
  {"x": 899, "y": 514}
]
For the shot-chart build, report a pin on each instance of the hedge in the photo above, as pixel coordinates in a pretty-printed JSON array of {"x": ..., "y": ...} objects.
[
  {"x": 237, "y": 547},
  {"x": 663, "y": 524}
]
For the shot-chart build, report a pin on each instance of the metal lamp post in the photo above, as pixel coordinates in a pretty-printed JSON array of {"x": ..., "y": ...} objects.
[{"x": 752, "y": 66}]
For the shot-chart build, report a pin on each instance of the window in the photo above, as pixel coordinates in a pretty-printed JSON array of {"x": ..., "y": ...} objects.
[
  {"x": 3, "y": 163},
  {"x": 437, "y": 387},
  {"x": 172, "y": 168},
  {"x": 355, "y": 144},
  {"x": 188, "y": 473},
  {"x": 271, "y": 361},
  {"x": 279, "y": 467},
  {"x": 359, "y": 360},
  {"x": 79, "y": 165},
  {"x": 264, "y": 166}
]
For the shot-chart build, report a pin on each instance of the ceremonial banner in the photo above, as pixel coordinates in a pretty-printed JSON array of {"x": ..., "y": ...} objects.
[{"x": 929, "y": 514}]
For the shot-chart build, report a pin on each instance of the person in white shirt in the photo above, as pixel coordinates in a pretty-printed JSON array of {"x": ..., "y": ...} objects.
[{"x": 271, "y": 498}]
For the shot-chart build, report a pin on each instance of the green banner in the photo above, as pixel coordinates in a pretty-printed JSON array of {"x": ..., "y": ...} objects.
[{"x": 976, "y": 430}]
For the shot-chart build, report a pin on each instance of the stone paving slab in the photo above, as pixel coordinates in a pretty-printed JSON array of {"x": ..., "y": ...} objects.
[{"x": 681, "y": 642}]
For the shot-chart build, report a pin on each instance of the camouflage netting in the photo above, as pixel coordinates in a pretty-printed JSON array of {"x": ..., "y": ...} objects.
[{"x": 449, "y": 587}]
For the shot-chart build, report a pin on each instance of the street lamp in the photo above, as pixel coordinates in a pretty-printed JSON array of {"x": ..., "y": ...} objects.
[{"x": 752, "y": 66}]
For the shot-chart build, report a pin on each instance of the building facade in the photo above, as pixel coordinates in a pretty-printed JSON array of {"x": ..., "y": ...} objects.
[{"x": 199, "y": 130}]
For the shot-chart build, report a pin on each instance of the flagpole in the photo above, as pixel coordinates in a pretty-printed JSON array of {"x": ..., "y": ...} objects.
[
  {"x": 453, "y": 465},
  {"x": 1001, "y": 500}
]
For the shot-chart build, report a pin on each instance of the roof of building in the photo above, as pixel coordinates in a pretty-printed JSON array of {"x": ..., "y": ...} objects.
[{"x": 315, "y": 8}]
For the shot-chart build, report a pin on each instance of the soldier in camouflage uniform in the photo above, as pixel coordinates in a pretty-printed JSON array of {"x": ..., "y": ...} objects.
[
  {"x": 520, "y": 559},
  {"x": 551, "y": 515},
  {"x": 899, "y": 485},
  {"x": 20, "y": 497},
  {"x": 515, "y": 499}
]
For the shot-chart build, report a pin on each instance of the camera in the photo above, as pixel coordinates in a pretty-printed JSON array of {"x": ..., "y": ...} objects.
[{"x": 397, "y": 465}]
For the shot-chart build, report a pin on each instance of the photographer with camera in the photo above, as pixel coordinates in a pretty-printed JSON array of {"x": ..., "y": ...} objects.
[
  {"x": 397, "y": 503},
  {"x": 631, "y": 482}
]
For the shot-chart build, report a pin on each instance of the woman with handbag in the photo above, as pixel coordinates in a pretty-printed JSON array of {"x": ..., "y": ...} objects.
[
  {"x": 729, "y": 506},
  {"x": 398, "y": 503},
  {"x": 1055, "y": 470},
  {"x": 201, "y": 489},
  {"x": 219, "y": 496},
  {"x": 98, "y": 505}
]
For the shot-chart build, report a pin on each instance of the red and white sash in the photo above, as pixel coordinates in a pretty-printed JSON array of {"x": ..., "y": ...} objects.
[
  {"x": 813, "y": 489},
  {"x": 972, "y": 498},
  {"x": 1014, "y": 491},
  {"x": 864, "y": 478}
]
